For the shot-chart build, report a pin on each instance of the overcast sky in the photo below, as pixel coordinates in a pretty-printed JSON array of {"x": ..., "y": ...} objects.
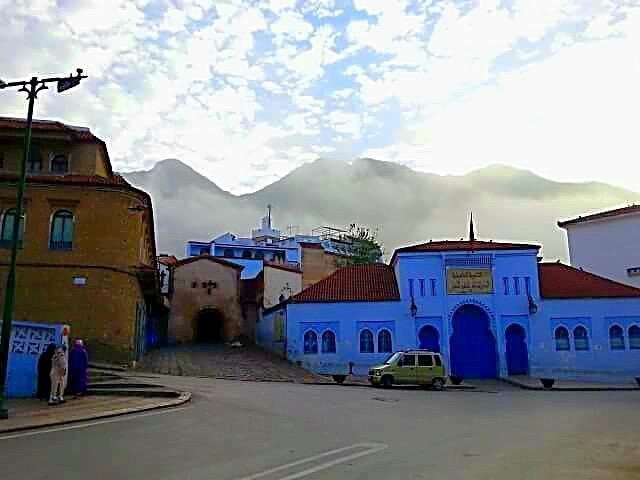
[{"x": 244, "y": 91}]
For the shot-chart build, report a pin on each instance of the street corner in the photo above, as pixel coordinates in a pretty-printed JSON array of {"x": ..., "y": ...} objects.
[{"x": 31, "y": 414}]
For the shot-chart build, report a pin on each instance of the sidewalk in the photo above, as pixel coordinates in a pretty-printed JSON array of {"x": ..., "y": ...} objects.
[
  {"x": 28, "y": 413},
  {"x": 533, "y": 383}
]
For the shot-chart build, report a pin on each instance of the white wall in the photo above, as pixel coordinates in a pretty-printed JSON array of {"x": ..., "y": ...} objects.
[{"x": 607, "y": 247}]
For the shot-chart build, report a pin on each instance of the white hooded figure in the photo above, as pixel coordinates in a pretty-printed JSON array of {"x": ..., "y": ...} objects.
[{"x": 58, "y": 375}]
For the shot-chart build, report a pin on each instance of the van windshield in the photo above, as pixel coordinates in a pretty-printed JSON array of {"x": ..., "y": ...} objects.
[{"x": 393, "y": 358}]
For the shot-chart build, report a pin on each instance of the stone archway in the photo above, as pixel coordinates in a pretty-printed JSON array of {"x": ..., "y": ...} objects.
[
  {"x": 209, "y": 326},
  {"x": 473, "y": 346}
]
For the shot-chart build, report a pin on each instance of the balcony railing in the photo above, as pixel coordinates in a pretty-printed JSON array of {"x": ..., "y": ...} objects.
[{"x": 60, "y": 245}]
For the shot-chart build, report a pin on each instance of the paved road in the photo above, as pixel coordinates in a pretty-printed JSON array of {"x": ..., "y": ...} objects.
[{"x": 267, "y": 431}]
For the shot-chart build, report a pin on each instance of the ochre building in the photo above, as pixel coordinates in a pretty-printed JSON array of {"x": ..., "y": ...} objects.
[{"x": 87, "y": 244}]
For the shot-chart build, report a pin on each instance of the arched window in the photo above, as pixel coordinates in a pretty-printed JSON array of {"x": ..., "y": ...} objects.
[
  {"x": 34, "y": 165},
  {"x": 634, "y": 337},
  {"x": 384, "y": 342},
  {"x": 6, "y": 235},
  {"x": 259, "y": 255},
  {"x": 228, "y": 252},
  {"x": 580, "y": 338},
  {"x": 328, "y": 342},
  {"x": 562, "y": 339},
  {"x": 247, "y": 254},
  {"x": 61, "y": 231},
  {"x": 366, "y": 341},
  {"x": 310, "y": 342},
  {"x": 616, "y": 338},
  {"x": 60, "y": 164}
]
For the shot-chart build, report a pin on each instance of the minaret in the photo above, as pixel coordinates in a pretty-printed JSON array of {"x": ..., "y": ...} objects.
[
  {"x": 472, "y": 233},
  {"x": 269, "y": 216}
]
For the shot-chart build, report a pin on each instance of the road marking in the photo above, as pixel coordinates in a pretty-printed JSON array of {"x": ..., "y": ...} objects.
[
  {"x": 370, "y": 448},
  {"x": 91, "y": 424}
]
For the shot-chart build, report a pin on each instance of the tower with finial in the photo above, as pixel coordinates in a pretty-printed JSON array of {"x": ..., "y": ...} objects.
[{"x": 472, "y": 233}]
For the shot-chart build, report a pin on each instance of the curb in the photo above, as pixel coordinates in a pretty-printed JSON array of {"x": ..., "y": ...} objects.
[
  {"x": 183, "y": 397},
  {"x": 524, "y": 386}
]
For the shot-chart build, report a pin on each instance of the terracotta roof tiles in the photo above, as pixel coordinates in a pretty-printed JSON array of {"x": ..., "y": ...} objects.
[
  {"x": 362, "y": 283},
  {"x": 559, "y": 281}
]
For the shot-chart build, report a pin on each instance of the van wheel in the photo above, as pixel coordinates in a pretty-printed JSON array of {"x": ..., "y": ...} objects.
[
  {"x": 386, "y": 381},
  {"x": 437, "y": 384}
]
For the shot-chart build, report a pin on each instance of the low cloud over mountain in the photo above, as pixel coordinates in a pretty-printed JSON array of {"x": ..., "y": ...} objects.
[{"x": 406, "y": 206}]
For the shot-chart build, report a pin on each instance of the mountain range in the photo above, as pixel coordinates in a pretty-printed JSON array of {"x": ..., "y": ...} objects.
[{"x": 404, "y": 205}]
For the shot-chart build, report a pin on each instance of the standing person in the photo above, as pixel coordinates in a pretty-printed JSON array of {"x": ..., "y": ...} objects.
[
  {"x": 58, "y": 372},
  {"x": 78, "y": 365},
  {"x": 44, "y": 372}
]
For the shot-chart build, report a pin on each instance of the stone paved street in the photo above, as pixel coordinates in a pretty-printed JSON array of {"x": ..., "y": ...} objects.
[{"x": 225, "y": 362}]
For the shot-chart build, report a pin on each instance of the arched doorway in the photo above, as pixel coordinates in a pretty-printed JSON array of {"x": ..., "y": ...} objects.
[
  {"x": 429, "y": 338},
  {"x": 517, "y": 357},
  {"x": 209, "y": 326},
  {"x": 473, "y": 347}
]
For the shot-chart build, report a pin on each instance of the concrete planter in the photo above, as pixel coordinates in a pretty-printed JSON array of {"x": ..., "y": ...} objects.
[{"x": 547, "y": 383}]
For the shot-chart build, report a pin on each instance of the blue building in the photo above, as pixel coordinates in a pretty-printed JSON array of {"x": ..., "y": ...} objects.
[
  {"x": 492, "y": 309},
  {"x": 267, "y": 244}
]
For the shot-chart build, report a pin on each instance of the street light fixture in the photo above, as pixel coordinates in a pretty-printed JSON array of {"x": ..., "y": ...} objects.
[{"x": 31, "y": 88}]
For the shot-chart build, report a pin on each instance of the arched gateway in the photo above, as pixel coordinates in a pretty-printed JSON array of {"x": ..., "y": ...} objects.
[
  {"x": 209, "y": 326},
  {"x": 473, "y": 346}
]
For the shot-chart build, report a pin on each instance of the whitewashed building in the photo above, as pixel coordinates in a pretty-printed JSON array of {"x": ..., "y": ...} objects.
[{"x": 607, "y": 243}]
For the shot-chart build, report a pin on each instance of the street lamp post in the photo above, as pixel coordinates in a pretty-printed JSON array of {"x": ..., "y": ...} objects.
[{"x": 31, "y": 88}]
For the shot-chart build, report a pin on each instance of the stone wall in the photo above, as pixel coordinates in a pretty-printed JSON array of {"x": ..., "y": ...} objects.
[{"x": 188, "y": 301}]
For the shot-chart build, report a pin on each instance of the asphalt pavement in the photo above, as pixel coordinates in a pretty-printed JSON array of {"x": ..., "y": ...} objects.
[{"x": 235, "y": 430}]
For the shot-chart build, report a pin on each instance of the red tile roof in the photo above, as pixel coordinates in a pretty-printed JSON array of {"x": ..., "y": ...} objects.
[
  {"x": 226, "y": 263},
  {"x": 76, "y": 133},
  {"x": 462, "y": 245},
  {"x": 562, "y": 281},
  {"x": 168, "y": 260},
  {"x": 362, "y": 283},
  {"x": 597, "y": 216},
  {"x": 69, "y": 179}
]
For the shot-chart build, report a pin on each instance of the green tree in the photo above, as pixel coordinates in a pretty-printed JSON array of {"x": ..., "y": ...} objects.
[{"x": 359, "y": 246}]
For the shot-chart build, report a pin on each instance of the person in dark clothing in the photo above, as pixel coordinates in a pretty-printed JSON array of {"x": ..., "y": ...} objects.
[
  {"x": 78, "y": 365},
  {"x": 44, "y": 370}
]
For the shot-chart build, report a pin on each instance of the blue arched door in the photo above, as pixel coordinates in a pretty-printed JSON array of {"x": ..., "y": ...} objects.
[
  {"x": 473, "y": 348},
  {"x": 517, "y": 357},
  {"x": 429, "y": 338}
]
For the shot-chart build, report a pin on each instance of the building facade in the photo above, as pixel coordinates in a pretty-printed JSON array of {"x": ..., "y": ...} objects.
[
  {"x": 492, "y": 309},
  {"x": 607, "y": 243},
  {"x": 87, "y": 242},
  {"x": 317, "y": 255},
  {"x": 210, "y": 301}
]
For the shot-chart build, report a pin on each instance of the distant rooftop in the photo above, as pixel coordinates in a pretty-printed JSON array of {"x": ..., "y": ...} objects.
[{"x": 616, "y": 212}]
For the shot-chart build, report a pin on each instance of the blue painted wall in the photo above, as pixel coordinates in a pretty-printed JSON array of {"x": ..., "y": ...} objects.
[
  {"x": 504, "y": 307},
  {"x": 28, "y": 341}
]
